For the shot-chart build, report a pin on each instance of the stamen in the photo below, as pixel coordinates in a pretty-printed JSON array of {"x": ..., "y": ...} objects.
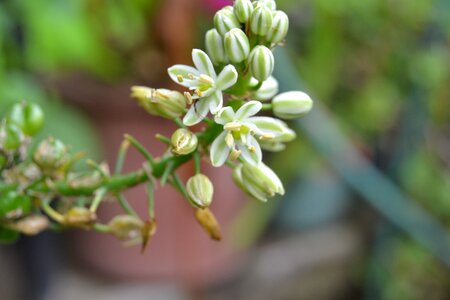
[
  {"x": 188, "y": 97},
  {"x": 206, "y": 79},
  {"x": 235, "y": 154},
  {"x": 252, "y": 149},
  {"x": 229, "y": 140},
  {"x": 190, "y": 76},
  {"x": 198, "y": 92},
  {"x": 267, "y": 136},
  {"x": 232, "y": 126},
  {"x": 180, "y": 78}
]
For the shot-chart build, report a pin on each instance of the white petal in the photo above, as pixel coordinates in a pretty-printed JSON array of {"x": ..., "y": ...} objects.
[
  {"x": 196, "y": 113},
  {"x": 248, "y": 109},
  {"x": 251, "y": 157},
  {"x": 227, "y": 77},
  {"x": 219, "y": 150},
  {"x": 225, "y": 115},
  {"x": 183, "y": 70},
  {"x": 266, "y": 125},
  {"x": 215, "y": 102},
  {"x": 203, "y": 63}
]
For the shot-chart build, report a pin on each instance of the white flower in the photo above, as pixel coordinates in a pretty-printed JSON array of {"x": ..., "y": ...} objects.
[
  {"x": 205, "y": 83},
  {"x": 240, "y": 129}
]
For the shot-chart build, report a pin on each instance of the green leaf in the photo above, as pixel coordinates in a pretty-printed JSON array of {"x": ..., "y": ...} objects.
[{"x": 8, "y": 236}]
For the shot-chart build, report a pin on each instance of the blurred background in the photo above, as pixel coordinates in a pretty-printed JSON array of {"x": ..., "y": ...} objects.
[{"x": 367, "y": 210}]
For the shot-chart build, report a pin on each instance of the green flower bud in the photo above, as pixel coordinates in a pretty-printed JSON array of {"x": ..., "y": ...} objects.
[
  {"x": 268, "y": 89},
  {"x": 260, "y": 181},
  {"x": 261, "y": 62},
  {"x": 214, "y": 47},
  {"x": 79, "y": 216},
  {"x": 200, "y": 190},
  {"x": 225, "y": 20},
  {"x": 31, "y": 225},
  {"x": 51, "y": 154},
  {"x": 237, "y": 46},
  {"x": 183, "y": 142},
  {"x": 279, "y": 28},
  {"x": 11, "y": 137},
  {"x": 28, "y": 116},
  {"x": 14, "y": 204},
  {"x": 270, "y": 4},
  {"x": 243, "y": 10},
  {"x": 126, "y": 227},
  {"x": 261, "y": 20},
  {"x": 291, "y": 105},
  {"x": 160, "y": 102}
]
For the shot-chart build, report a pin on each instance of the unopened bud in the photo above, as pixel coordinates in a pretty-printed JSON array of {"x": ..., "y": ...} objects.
[
  {"x": 279, "y": 28},
  {"x": 214, "y": 47},
  {"x": 268, "y": 89},
  {"x": 270, "y": 4},
  {"x": 291, "y": 105},
  {"x": 51, "y": 154},
  {"x": 243, "y": 10},
  {"x": 79, "y": 216},
  {"x": 237, "y": 46},
  {"x": 260, "y": 181},
  {"x": 11, "y": 137},
  {"x": 31, "y": 225},
  {"x": 261, "y": 20},
  {"x": 160, "y": 102},
  {"x": 200, "y": 190},
  {"x": 126, "y": 227},
  {"x": 28, "y": 116},
  {"x": 261, "y": 63},
  {"x": 183, "y": 142},
  {"x": 225, "y": 20},
  {"x": 209, "y": 223}
]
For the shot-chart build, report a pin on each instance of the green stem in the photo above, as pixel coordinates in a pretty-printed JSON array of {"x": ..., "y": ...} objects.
[
  {"x": 121, "y": 156},
  {"x": 99, "y": 196},
  {"x": 125, "y": 205},
  {"x": 197, "y": 162},
  {"x": 101, "y": 228},
  {"x": 53, "y": 214},
  {"x": 163, "y": 139},
  {"x": 267, "y": 106},
  {"x": 151, "y": 200},
  {"x": 140, "y": 148}
]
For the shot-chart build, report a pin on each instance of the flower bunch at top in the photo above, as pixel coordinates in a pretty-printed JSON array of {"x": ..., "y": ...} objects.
[{"x": 232, "y": 81}]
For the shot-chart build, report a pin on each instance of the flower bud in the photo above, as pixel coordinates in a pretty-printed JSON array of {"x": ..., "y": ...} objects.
[
  {"x": 270, "y": 4},
  {"x": 31, "y": 225},
  {"x": 183, "y": 142},
  {"x": 260, "y": 181},
  {"x": 279, "y": 28},
  {"x": 261, "y": 20},
  {"x": 160, "y": 102},
  {"x": 51, "y": 154},
  {"x": 11, "y": 137},
  {"x": 28, "y": 116},
  {"x": 79, "y": 216},
  {"x": 209, "y": 222},
  {"x": 225, "y": 20},
  {"x": 261, "y": 62},
  {"x": 200, "y": 190},
  {"x": 268, "y": 89},
  {"x": 291, "y": 105},
  {"x": 237, "y": 46},
  {"x": 126, "y": 227},
  {"x": 243, "y": 10},
  {"x": 277, "y": 143},
  {"x": 215, "y": 47}
]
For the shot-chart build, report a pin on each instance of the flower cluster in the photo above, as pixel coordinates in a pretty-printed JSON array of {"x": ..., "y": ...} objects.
[
  {"x": 233, "y": 82},
  {"x": 229, "y": 94}
]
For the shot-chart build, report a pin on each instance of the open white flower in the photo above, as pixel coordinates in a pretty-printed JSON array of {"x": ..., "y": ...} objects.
[
  {"x": 241, "y": 130},
  {"x": 206, "y": 85}
]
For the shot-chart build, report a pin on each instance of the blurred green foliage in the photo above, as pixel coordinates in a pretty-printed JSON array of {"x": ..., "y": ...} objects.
[{"x": 383, "y": 68}]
